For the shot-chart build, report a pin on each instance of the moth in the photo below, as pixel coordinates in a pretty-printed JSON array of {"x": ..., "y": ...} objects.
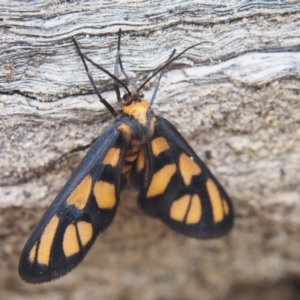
[{"x": 174, "y": 184}]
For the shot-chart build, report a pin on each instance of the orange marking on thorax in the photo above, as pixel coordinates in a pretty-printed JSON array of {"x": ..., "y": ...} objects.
[
  {"x": 126, "y": 130},
  {"x": 152, "y": 126},
  {"x": 137, "y": 110}
]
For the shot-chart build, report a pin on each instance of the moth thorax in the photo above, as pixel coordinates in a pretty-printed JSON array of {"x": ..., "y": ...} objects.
[{"x": 137, "y": 110}]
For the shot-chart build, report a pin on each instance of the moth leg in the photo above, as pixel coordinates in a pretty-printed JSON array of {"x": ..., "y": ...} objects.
[
  {"x": 76, "y": 149},
  {"x": 82, "y": 147}
]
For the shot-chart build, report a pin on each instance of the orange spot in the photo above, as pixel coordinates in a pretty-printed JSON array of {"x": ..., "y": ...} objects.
[
  {"x": 47, "y": 238},
  {"x": 195, "y": 211},
  {"x": 225, "y": 207},
  {"x": 159, "y": 145},
  {"x": 140, "y": 161},
  {"x": 188, "y": 168},
  {"x": 137, "y": 110},
  {"x": 85, "y": 231},
  {"x": 126, "y": 130},
  {"x": 105, "y": 194},
  {"x": 160, "y": 180},
  {"x": 32, "y": 253},
  {"x": 215, "y": 200},
  {"x": 136, "y": 145},
  {"x": 188, "y": 207},
  {"x": 152, "y": 126},
  {"x": 179, "y": 208},
  {"x": 131, "y": 157},
  {"x": 126, "y": 168},
  {"x": 70, "y": 241},
  {"x": 112, "y": 157},
  {"x": 80, "y": 194}
]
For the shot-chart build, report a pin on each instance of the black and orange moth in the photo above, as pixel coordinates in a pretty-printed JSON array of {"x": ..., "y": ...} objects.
[{"x": 174, "y": 184}]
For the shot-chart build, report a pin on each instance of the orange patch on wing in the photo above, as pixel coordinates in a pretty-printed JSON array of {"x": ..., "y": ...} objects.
[
  {"x": 195, "y": 211},
  {"x": 105, "y": 194},
  {"x": 85, "y": 231},
  {"x": 70, "y": 241},
  {"x": 186, "y": 208},
  {"x": 138, "y": 111},
  {"x": 46, "y": 241},
  {"x": 112, "y": 157},
  {"x": 140, "y": 161},
  {"x": 80, "y": 194},
  {"x": 32, "y": 253},
  {"x": 179, "y": 208},
  {"x": 215, "y": 200},
  {"x": 160, "y": 180},
  {"x": 225, "y": 207},
  {"x": 159, "y": 145},
  {"x": 188, "y": 168}
]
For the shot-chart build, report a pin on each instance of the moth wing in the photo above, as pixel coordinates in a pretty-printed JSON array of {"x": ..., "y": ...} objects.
[
  {"x": 178, "y": 188},
  {"x": 85, "y": 206}
]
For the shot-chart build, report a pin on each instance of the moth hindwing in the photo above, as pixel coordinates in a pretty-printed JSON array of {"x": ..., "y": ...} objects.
[{"x": 174, "y": 184}]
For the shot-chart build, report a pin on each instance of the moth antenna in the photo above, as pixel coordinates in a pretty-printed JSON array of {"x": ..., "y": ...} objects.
[
  {"x": 102, "y": 100},
  {"x": 121, "y": 64},
  {"x": 99, "y": 67},
  {"x": 159, "y": 78},
  {"x": 168, "y": 62},
  {"x": 116, "y": 69}
]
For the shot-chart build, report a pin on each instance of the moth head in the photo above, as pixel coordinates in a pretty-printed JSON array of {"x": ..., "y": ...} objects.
[{"x": 130, "y": 98}]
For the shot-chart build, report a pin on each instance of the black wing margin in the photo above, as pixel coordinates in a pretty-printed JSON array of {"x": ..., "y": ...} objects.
[
  {"x": 178, "y": 188},
  {"x": 85, "y": 206}
]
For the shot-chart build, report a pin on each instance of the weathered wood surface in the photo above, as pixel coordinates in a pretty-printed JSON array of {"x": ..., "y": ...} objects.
[{"x": 237, "y": 98}]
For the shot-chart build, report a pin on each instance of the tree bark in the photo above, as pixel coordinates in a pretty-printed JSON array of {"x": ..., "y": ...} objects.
[{"x": 235, "y": 99}]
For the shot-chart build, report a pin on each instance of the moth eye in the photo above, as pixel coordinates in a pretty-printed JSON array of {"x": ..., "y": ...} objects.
[{"x": 126, "y": 97}]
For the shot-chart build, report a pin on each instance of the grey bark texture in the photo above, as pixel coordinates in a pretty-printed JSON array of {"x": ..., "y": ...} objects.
[{"x": 235, "y": 100}]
